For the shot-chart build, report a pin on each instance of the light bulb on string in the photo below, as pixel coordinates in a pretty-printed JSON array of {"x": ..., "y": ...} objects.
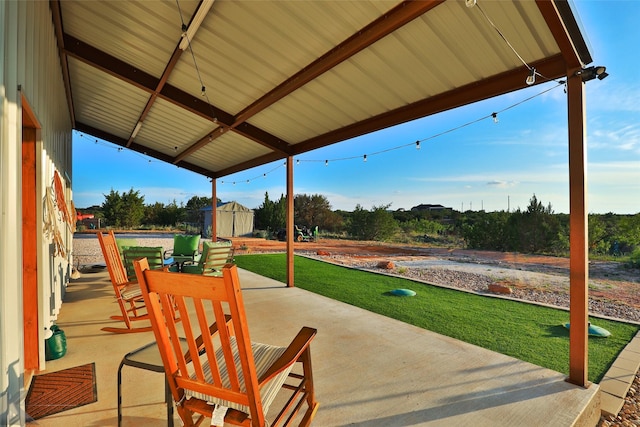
[
  {"x": 204, "y": 91},
  {"x": 297, "y": 161},
  {"x": 495, "y": 117},
  {"x": 365, "y": 158},
  {"x": 531, "y": 78},
  {"x": 417, "y": 145}
]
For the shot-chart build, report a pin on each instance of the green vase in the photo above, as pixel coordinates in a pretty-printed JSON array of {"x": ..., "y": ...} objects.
[{"x": 55, "y": 346}]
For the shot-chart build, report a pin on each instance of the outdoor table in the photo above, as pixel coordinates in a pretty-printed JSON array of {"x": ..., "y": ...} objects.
[{"x": 146, "y": 357}]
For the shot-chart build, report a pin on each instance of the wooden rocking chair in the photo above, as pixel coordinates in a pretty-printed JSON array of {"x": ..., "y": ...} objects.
[
  {"x": 128, "y": 294},
  {"x": 230, "y": 371}
]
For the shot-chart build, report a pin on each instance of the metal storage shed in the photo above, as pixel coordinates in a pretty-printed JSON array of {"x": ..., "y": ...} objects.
[{"x": 232, "y": 220}]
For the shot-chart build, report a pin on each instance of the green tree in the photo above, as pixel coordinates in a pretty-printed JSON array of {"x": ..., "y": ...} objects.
[
  {"x": 153, "y": 214},
  {"x": 377, "y": 224},
  {"x": 312, "y": 210},
  {"x": 486, "y": 230},
  {"x": 193, "y": 215},
  {"x": 133, "y": 205},
  {"x": 113, "y": 208},
  {"x": 126, "y": 210},
  {"x": 271, "y": 215},
  {"x": 535, "y": 230}
]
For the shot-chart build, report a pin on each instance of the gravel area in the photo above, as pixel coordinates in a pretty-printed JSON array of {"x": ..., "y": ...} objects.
[{"x": 87, "y": 252}]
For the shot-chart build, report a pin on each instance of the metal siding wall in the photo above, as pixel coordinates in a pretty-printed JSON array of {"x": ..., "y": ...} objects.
[
  {"x": 11, "y": 318},
  {"x": 44, "y": 89}
]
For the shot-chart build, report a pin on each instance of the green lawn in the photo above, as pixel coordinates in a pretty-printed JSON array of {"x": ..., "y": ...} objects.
[{"x": 525, "y": 331}]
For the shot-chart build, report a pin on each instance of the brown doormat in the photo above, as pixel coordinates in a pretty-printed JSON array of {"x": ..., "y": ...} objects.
[{"x": 62, "y": 390}]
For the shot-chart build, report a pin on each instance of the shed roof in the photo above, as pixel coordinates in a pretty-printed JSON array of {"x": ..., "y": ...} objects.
[{"x": 281, "y": 78}]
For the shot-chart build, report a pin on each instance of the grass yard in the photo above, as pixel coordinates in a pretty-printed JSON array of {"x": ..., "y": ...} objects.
[{"x": 525, "y": 331}]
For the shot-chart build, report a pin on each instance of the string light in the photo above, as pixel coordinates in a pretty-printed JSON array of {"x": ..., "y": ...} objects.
[
  {"x": 493, "y": 116},
  {"x": 417, "y": 144},
  {"x": 195, "y": 63},
  {"x": 531, "y": 78}
]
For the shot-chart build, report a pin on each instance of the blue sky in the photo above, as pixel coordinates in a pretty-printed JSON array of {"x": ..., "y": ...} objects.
[{"x": 481, "y": 165}]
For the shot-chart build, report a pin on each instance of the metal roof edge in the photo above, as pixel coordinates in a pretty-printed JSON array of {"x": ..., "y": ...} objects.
[{"x": 571, "y": 19}]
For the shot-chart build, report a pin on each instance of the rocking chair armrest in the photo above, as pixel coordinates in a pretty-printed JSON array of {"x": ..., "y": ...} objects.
[
  {"x": 298, "y": 346},
  {"x": 213, "y": 329}
]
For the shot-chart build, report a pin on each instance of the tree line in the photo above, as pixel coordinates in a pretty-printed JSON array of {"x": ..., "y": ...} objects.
[
  {"x": 535, "y": 229},
  {"x": 128, "y": 210}
]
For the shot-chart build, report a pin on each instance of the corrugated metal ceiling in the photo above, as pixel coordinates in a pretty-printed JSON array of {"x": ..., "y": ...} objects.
[{"x": 285, "y": 77}]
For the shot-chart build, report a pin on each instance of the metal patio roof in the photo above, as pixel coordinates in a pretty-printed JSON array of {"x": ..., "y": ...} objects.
[{"x": 285, "y": 77}]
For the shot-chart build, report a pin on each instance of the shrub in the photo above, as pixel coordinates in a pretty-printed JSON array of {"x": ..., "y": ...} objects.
[{"x": 634, "y": 258}]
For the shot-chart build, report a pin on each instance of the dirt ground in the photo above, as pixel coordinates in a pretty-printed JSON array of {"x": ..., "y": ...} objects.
[{"x": 609, "y": 280}]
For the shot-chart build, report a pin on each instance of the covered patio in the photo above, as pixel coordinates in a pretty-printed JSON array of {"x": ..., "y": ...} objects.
[
  {"x": 221, "y": 87},
  {"x": 369, "y": 370}
]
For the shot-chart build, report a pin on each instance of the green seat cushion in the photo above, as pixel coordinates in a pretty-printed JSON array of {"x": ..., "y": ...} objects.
[
  {"x": 125, "y": 243},
  {"x": 185, "y": 244}
]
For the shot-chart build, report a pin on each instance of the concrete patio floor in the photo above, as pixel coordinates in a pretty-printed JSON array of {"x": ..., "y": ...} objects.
[{"x": 369, "y": 370}]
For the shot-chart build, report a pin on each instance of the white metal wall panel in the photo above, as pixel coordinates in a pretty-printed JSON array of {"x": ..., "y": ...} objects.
[
  {"x": 11, "y": 314},
  {"x": 104, "y": 101},
  {"x": 39, "y": 75}
]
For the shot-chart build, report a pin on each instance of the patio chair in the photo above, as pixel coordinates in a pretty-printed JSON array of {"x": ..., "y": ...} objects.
[
  {"x": 154, "y": 257},
  {"x": 185, "y": 249},
  {"x": 215, "y": 255},
  {"x": 123, "y": 243},
  {"x": 128, "y": 294},
  {"x": 231, "y": 372}
]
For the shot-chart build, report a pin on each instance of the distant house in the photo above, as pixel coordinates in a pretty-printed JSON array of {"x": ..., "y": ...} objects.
[
  {"x": 232, "y": 220},
  {"x": 426, "y": 207}
]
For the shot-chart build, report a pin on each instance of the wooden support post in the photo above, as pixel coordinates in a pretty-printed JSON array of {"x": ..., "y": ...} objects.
[
  {"x": 578, "y": 229},
  {"x": 290, "y": 222},
  {"x": 214, "y": 211}
]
